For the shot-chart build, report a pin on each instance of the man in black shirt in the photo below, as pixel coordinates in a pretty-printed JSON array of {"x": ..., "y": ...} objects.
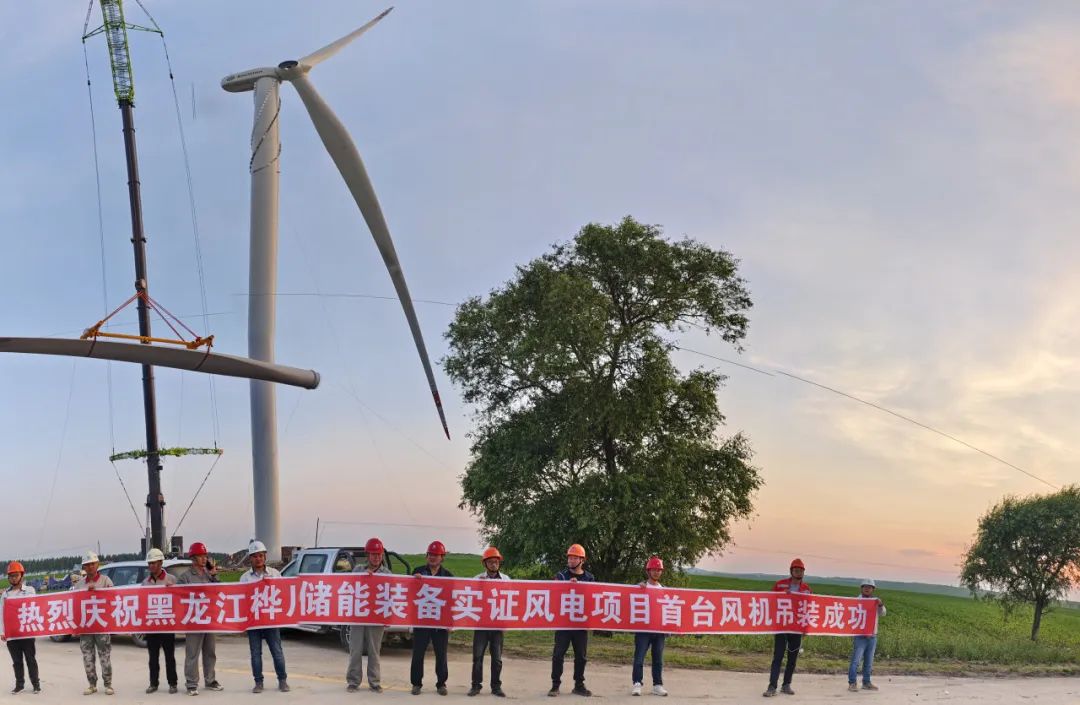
[
  {"x": 439, "y": 638},
  {"x": 564, "y": 638}
]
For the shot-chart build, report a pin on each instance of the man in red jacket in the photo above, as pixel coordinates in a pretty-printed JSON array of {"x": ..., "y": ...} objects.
[{"x": 790, "y": 644}]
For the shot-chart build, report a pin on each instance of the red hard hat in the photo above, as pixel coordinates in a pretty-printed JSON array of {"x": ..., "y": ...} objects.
[
  {"x": 654, "y": 563},
  {"x": 436, "y": 548},
  {"x": 491, "y": 552},
  {"x": 797, "y": 563},
  {"x": 373, "y": 545},
  {"x": 15, "y": 567},
  {"x": 198, "y": 549}
]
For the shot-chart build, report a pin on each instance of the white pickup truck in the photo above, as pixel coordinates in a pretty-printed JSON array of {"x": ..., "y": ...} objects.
[{"x": 342, "y": 559}]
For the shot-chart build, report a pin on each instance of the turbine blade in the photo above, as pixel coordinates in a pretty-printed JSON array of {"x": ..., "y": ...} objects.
[
  {"x": 317, "y": 57},
  {"x": 343, "y": 151}
]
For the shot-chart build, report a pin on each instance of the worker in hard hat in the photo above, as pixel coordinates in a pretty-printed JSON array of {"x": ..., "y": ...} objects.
[
  {"x": 88, "y": 643},
  {"x": 864, "y": 646},
  {"x": 367, "y": 637},
  {"x": 790, "y": 644},
  {"x": 200, "y": 644},
  {"x": 488, "y": 638},
  {"x": 256, "y": 556},
  {"x": 23, "y": 650},
  {"x": 156, "y": 642},
  {"x": 564, "y": 638},
  {"x": 650, "y": 641},
  {"x": 422, "y": 636}
]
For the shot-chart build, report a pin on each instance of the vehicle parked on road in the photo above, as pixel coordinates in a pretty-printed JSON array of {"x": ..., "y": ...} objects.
[{"x": 342, "y": 559}]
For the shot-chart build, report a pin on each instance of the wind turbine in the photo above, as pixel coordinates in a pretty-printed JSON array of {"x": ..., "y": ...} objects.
[{"x": 265, "y": 150}]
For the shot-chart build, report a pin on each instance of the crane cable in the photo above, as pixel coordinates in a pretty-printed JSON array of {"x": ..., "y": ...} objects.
[
  {"x": 104, "y": 278},
  {"x": 215, "y": 418}
]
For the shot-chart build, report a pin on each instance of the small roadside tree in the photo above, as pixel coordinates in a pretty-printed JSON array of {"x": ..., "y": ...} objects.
[
  {"x": 586, "y": 431},
  {"x": 1027, "y": 551}
]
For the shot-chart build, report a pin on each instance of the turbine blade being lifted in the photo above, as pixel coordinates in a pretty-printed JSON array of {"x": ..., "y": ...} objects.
[
  {"x": 343, "y": 151},
  {"x": 317, "y": 57},
  {"x": 161, "y": 356}
]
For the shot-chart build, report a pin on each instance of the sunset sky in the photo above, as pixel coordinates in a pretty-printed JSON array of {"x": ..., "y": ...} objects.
[{"x": 900, "y": 187}]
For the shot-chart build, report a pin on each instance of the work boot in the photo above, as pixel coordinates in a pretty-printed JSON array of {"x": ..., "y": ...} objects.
[
  {"x": 786, "y": 689},
  {"x": 852, "y": 688},
  {"x": 554, "y": 692},
  {"x": 283, "y": 686},
  {"x": 258, "y": 688},
  {"x": 352, "y": 688},
  {"x": 498, "y": 692},
  {"x": 659, "y": 690},
  {"x": 151, "y": 689},
  {"x": 172, "y": 688},
  {"x": 770, "y": 692},
  {"x": 90, "y": 689},
  {"x": 416, "y": 690},
  {"x": 441, "y": 689},
  {"x": 473, "y": 691},
  {"x": 869, "y": 686},
  {"x": 581, "y": 690},
  {"x": 376, "y": 688}
]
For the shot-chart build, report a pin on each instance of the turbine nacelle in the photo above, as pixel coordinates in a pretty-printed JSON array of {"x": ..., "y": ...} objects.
[{"x": 245, "y": 80}]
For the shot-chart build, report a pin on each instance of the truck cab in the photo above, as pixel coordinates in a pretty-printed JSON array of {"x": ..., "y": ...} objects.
[{"x": 329, "y": 560}]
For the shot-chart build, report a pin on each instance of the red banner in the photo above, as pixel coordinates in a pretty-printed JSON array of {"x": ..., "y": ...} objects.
[{"x": 395, "y": 600}]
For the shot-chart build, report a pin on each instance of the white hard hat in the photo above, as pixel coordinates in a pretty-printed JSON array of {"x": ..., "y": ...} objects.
[
  {"x": 90, "y": 557},
  {"x": 867, "y": 581},
  {"x": 256, "y": 546},
  {"x": 155, "y": 554}
]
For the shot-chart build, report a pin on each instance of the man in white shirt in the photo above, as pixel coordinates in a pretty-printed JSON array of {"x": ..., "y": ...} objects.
[
  {"x": 485, "y": 638},
  {"x": 272, "y": 635},
  {"x": 864, "y": 646},
  {"x": 24, "y": 648}
]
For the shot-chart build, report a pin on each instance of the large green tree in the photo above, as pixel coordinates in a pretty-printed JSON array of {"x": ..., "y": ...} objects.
[
  {"x": 1027, "y": 551},
  {"x": 586, "y": 432}
]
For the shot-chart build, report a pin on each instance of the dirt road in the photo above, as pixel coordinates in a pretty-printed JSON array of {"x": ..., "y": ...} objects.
[{"x": 316, "y": 674}]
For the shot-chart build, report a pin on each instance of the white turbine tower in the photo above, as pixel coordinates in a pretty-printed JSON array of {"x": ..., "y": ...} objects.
[{"x": 265, "y": 149}]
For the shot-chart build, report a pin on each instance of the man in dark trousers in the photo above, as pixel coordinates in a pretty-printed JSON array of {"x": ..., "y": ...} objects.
[
  {"x": 21, "y": 650},
  {"x": 789, "y": 644},
  {"x": 156, "y": 643},
  {"x": 484, "y": 639},
  {"x": 439, "y": 638},
  {"x": 579, "y": 638}
]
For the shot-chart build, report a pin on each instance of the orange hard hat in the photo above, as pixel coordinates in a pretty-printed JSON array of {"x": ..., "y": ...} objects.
[
  {"x": 654, "y": 563},
  {"x": 491, "y": 552},
  {"x": 576, "y": 550},
  {"x": 797, "y": 563},
  {"x": 15, "y": 567}
]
